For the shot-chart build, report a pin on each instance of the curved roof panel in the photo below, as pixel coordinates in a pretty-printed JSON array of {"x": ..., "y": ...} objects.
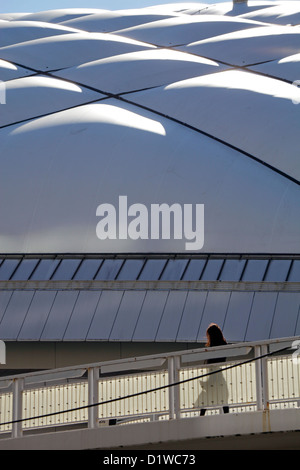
[
  {"x": 237, "y": 107},
  {"x": 285, "y": 13},
  {"x": 231, "y": 9},
  {"x": 287, "y": 68},
  {"x": 13, "y": 32},
  {"x": 110, "y": 21},
  {"x": 186, "y": 29},
  {"x": 9, "y": 71},
  {"x": 67, "y": 50},
  {"x": 11, "y": 16},
  {"x": 59, "y": 15},
  {"x": 249, "y": 47},
  {"x": 180, "y": 7},
  {"x": 41, "y": 95},
  {"x": 139, "y": 70}
]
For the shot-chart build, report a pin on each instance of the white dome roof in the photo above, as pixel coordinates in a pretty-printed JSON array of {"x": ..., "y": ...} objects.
[{"x": 158, "y": 110}]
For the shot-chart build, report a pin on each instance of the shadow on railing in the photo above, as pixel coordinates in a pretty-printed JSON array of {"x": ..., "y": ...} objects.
[{"x": 255, "y": 376}]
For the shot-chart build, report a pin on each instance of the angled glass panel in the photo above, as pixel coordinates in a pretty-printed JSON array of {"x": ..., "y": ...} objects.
[
  {"x": 5, "y": 296},
  {"x": 105, "y": 315},
  {"x": 150, "y": 316},
  {"x": 261, "y": 316},
  {"x": 255, "y": 270},
  {"x": 152, "y": 269},
  {"x": 170, "y": 321},
  {"x": 192, "y": 315},
  {"x": 44, "y": 270},
  {"x": 109, "y": 269},
  {"x": 7, "y": 268},
  {"x": 294, "y": 275},
  {"x": 174, "y": 270},
  {"x": 278, "y": 270},
  {"x": 237, "y": 316},
  {"x": 286, "y": 315},
  {"x": 212, "y": 270},
  {"x": 82, "y": 315},
  {"x": 88, "y": 269},
  {"x": 194, "y": 270},
  {"x": 232, "y": 270},
  {"x": 25, "y": 269},
  {"x": 15, "y": 313},
  {"x": 127, "y": 316},
  {"x": 66, "y": 269},
  {"x": 37, "y": 315},
  {"x": 59, "y": 315},
  {"x": 130, "y": 270},
  {"x": 214, "y": 311}
]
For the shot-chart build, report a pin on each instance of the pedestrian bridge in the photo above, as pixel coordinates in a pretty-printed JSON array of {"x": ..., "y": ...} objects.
[{"x": 155, "y": 401}]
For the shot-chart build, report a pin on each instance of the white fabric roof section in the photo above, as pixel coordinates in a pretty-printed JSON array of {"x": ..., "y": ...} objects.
[
  {"x": 287, "y": 68},
  {"x": 139, "y": 70},
  {"x": 110, "y": 21},
  {"x": 286, "y": 13},
  {"x": 237, "y": 107},
  {"x": 249, "y": 47},
  {"x": 14, "y": 32},
  {"x": 110, "y": 114},
  {"x": 235, "y": 9},
  {"x": 41, "y": 95},
  {"x": 186, "y": 29},
  {"x": 68, "y": 50},
  {"x": 9, "y": 71},
  {"x": 59, "y": 15}
]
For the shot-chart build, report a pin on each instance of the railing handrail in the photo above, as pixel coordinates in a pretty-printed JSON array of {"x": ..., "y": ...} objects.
[
  {"x": 147, "y": 364},
  {"x": 140, "y": 360}
]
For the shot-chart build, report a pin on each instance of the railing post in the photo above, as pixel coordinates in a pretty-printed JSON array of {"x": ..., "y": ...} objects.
[
  {"x": 174, "y": 392},
  {"x": 93, "y": 375},
  {"x": 171, "y": 389},
  {"x": 258, "y": 376},
  {"x": 262, "y": 389},
  {"x": 18, "y": 385},
  {"x": 176, "y": 387},
  {"x": 265, "y": 381}
]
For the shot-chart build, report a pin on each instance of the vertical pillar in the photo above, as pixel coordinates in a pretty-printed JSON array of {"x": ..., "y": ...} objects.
[
  {"x": 93, "y": 375},
  {"x": 174, "y": 392},
  {"x": 171, "y": 389},
  {"x": 18, "y": 385},
  {"x": 265, "y": 381},
  {"x": 261, "y": 368},
  {"x": 176, "y": 387},
  {"x": 258, "y": 376}
]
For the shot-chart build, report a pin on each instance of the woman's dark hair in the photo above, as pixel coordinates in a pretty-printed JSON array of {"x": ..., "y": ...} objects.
[{"x": 214, "y": 335}]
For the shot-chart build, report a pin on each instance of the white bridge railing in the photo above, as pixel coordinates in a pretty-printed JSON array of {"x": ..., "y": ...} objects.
[{"x": 255, "y": 376}]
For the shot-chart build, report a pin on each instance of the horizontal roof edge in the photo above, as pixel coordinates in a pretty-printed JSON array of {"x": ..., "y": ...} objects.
[{"x": 247, "y": 286}]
